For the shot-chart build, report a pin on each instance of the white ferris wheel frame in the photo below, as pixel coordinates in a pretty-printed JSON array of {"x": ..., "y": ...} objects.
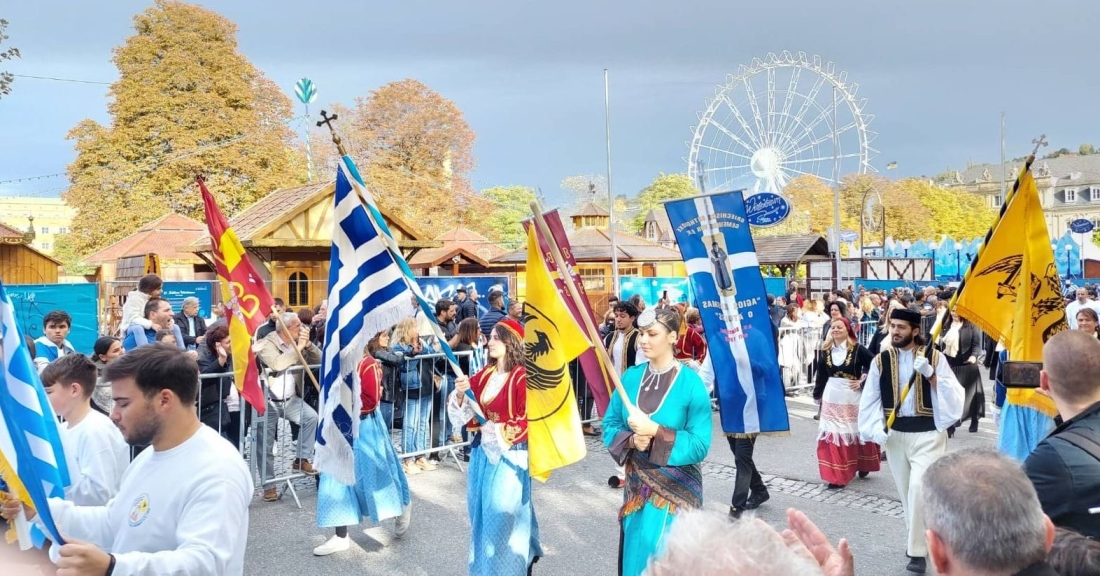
[{"x": 772, "y": 152}]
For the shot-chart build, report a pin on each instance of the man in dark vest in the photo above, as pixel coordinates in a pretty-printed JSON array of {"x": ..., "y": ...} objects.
[
  {"x": 622, "y": 347},
  {"x": 932, "y": 402}
]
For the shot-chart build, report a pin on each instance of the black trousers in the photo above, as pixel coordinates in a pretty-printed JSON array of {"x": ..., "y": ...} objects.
[{"x": 748, "y": 477}]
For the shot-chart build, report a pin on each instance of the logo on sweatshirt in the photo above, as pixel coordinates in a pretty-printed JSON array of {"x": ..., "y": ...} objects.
[{"x": 140, "y": 510}]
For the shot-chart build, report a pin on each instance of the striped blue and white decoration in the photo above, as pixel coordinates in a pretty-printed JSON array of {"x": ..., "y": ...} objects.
[
  {"x": 368, "y": 293},
  {"x": 714, "y": 238},
  {"x": 29, "y": 436}
]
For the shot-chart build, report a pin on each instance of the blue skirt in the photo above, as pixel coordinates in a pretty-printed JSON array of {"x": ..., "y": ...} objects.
[
  {"x": 381, "y": 490},
  {"x": 1022, "y": 429},
  {"x": 504, "y": 539}
]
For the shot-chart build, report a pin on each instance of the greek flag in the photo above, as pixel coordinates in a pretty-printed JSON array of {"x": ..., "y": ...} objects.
[{"x": 32, "y": 463}]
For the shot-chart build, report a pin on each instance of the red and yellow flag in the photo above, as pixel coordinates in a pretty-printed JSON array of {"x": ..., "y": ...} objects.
[
  {"x": 247, "y": 301},
  {"x": 551, "y": 340}
]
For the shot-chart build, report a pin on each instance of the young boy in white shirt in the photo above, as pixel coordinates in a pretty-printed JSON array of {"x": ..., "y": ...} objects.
[{"x": 94, "y": 449}]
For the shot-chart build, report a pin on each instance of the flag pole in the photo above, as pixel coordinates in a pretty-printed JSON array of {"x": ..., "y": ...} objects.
[
  {"x": 937, "y": 328},
  {"x": 589, "y": 327}
]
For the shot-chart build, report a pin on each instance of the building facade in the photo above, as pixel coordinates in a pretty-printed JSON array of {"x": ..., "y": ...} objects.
[
  {"x": 1069, "y": 187},
  {"x": 48, "y": 216}
]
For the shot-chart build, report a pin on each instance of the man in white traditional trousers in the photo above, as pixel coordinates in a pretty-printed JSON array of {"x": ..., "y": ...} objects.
[{"x": 919, "y": 432}]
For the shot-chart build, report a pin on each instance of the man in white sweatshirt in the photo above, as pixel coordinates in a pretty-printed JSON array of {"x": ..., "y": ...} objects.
[
  {"x": 133, "y": 311},
  {"x": 183, "y": 505}
]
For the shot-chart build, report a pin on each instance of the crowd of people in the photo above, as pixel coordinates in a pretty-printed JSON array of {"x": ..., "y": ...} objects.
[{"x": 886, "y": 394}]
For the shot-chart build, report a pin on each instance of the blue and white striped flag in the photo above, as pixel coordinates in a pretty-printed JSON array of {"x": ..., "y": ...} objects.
[
  {"x": 32, "y": 461},
  {"x": 716, "y": 242}
]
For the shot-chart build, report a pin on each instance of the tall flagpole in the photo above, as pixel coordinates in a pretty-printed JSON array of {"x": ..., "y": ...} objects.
[
  {"x": 1004, "y": 175},
  {"x": 836, "y": 192},
  {"x": 610, "y": 195}
]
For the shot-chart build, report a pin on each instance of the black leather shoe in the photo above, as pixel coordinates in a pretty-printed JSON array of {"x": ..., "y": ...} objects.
[
  {"x": 973, "y": 426},
  {"x": 917, "y": 564},
  {"x": 756, "y": 500},
  {"x": 735, "y": 512},
  {"x": 951, "y": 432},
  {"x": 834, "y": 486},
  {"x": 864, "y": 474}
]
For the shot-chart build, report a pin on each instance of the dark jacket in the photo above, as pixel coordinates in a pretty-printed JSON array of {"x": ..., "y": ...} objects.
[
  {"x": 970, "y": 344},
  {"x": 1066, "y": 477},
  {"x": 200, "y": 329},
  {"x": 213, "y": 391},
  {"x": 391, "y": 366},
  {"x": 466, "y": 309},
  {"x": 489, "y": 320}
]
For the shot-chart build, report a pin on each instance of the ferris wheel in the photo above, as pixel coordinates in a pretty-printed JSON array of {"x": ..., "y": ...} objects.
[{"x": 777, "y": 119}]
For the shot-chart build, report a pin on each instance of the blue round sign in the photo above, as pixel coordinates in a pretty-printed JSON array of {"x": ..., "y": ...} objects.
[
  {"x": 766, "y": 209},
  {"x": 1081, "y": 226}
]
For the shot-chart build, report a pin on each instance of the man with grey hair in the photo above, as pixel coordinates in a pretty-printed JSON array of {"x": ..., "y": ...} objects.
[
  {"x": 1065, "y": 466},
  {"x": 983, "y": 517},
  {"x": 282, "y": 353},
  {"x": 191, "y": 324}
]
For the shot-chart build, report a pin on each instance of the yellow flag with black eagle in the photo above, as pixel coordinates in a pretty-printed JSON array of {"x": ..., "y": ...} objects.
[
  {"x": 1013, "y": 292},
  {"x": 552, "y": 339}
]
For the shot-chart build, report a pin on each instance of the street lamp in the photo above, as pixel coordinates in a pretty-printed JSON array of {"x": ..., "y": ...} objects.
[
  {"x": 905, "y": 244},
  {"x": 958, "y": 261},
  {"x": 933, "y": 246},
  {"x": 1069, "y": 263}
]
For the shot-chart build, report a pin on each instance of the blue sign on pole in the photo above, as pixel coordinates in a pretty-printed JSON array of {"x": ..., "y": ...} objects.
[
  {"x": 176, "y": 292},
  {"x": 766, "y": 209},
  {"x": 305, "y": 91},
  {"x": 1081, "y": 226}
]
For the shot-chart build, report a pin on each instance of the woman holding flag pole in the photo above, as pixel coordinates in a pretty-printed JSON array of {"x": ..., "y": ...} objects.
[{"x": 505, "y": 533}]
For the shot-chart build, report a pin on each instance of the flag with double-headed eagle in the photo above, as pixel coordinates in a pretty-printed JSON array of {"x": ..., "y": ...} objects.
[
  {"x": 247, "y": 301},
  {"x": 1013, "y": 291},
  {"x": 552, "y": 339}
]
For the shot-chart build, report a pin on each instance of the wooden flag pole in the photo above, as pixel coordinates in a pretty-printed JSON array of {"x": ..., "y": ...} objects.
[
  {"x": 589, "y": 327},
  {"x": 937, "y": 328},
  {"x": 302, "y": 359}
]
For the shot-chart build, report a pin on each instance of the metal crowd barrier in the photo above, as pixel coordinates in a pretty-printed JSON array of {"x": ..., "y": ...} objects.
[{"x": 798, "y": 352}]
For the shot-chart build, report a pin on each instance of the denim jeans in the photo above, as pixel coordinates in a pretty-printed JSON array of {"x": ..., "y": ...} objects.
[
  {"x": 444, "y": 426},
  {"x": 418, "y": 416},
  {"x": 293, "y": 410},
  {"x": 385, "y": 410}
]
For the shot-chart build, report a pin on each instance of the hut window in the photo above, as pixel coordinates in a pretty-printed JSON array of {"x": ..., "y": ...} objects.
[{"x": 298, "y": 289}]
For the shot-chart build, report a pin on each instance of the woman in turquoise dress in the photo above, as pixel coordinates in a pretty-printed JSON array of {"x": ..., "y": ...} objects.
[{"x": 661, "y": 441}]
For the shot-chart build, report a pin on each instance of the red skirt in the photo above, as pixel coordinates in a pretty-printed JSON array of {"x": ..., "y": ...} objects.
[{"x": 839, "y": 463}]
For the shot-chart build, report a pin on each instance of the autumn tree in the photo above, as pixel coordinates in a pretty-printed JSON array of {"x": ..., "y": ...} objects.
[
  {"x": 5, "y": 77},
  {"x": 186, "y": 103},
  {"x": 664, "y": 187},
  {"x": 511, "y": 205},
  {"x": 415, "y": 151}
]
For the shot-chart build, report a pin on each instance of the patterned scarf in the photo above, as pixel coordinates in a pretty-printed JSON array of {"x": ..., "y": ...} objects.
[{"x": 666, "y": 487}]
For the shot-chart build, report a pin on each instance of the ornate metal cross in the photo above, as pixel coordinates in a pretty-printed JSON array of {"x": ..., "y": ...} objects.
[
  {"x": 328, "y": 120},
  {"x": 1038, "y": 142}
]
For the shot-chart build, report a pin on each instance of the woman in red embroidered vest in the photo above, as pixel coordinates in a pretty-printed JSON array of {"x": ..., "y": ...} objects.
[
  {"x": 661, "y": 443},
  {"x": 505, "y": 534},
  {"x": 691, "y": 347},
  {"x": 842, "y": 368}
]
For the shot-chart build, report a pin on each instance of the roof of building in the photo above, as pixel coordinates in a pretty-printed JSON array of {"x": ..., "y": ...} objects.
[
  {"x": 777, "y": 250},
  {"x": 664, "y": 226},
  {"x": 594, "y": 245},
  {"x": 168, "y": 236},
  {"x": 275, "y": 207},
  {"x": 1068, "y": 170},
  {"x": 9, "y": 232},
  {"x": 461, "y": 242},
  {"x": 591, "y": 209}
]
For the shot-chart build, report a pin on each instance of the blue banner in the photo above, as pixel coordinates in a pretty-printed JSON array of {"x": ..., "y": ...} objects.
[
  {"x": 175, "y": 292},
  {"x": 716, "y": 242},
  {"x": 652, "y": 289},
  {"x": 436, "y": 287},
  {"x": 33, "y": 301}
]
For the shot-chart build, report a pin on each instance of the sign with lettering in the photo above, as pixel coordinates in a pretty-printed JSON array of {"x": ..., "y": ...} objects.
[
  {"x": 1081, "y": 226},
  {"x": 766, "y": 209}
]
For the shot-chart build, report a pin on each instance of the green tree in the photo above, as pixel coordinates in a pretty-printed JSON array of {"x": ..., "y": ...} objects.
[
  {"x": 664, "y": 187},
  {"x": 186, "y": 103},
  {"x": 1086, "y": 149},
  {"x": 511, "y": 205},
  {"x": 416, "y": 150},
  {"x": 6, "y": 78}
]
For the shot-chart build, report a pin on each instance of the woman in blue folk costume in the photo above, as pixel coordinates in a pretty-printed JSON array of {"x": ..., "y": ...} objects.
[
  {"x": 504, "y": 536},
  {"x": 381, "y": 490},
  {"x": 661, "y": 442}
]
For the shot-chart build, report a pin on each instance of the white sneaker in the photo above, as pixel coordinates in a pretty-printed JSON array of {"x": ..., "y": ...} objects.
[
  {"x": 401, "y": 523},
  {"x": 334, "y": 545}
]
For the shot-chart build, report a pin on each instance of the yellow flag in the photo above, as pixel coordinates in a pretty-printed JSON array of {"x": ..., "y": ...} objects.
[
  {"x": 1014, "y": 292},
  {"x": 551, "y": 340}
]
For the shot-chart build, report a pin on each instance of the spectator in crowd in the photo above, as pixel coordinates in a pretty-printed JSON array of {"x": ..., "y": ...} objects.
[
  {"x": 133, "y": 310},
  {"x": 775, "y": 311},
  {"x": 495, "y": 313},
  {"x": 793, "y": 295},
  {"x": 469, "y": 340},
  {"x": 106, "y": 350},
  {"x": 1082, "y": 302},
  {"x": 167, "y": 337},
  {"x": 159, "y": 314},
  {"x": 1074, "y": 554},
  {"x": 317, "y": 324},
  {"x": 182, "y": 507},
  {"x": 702, "y": 543},
  {"x": 191, "y": 325},
  {"x": 282, "y": 352},
  {"x": 390, "y": 361},
  {"x": 638, "y": 302},
  {"x": 515, "y": 310},
  {"x": 443, "y": 375},
  {"x": 418, "y": 386},
  {"x": 1088, "y": 321},
  {"x": 467, "y": 305},
  {"x": 216, "y": 357},
  {"x": 983, "y": 517},
  {"x": 217, "y": 315},
  {"x": 269, "y": 326},
  {"x": 1065, "y": 466},
  {"x": 445, "y": 314},
  {"x": 53, "y": 344}
]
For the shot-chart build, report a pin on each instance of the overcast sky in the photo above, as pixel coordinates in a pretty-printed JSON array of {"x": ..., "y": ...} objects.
[{"x": 529, "y": 75}]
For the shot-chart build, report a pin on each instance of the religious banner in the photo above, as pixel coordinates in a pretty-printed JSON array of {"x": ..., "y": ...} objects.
[{"x": 716, "y": 243}]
